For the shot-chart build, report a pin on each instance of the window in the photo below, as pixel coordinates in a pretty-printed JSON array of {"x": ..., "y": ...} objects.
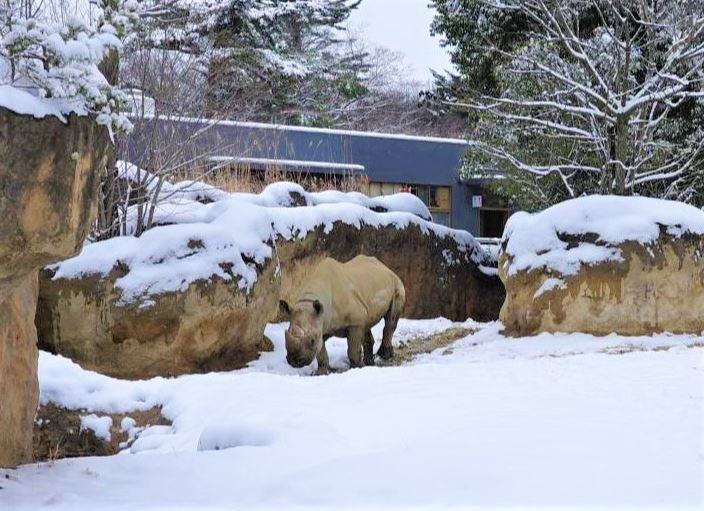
[
  {"x": 441, "y": 218},
  {"x": 428, "y": 194}
]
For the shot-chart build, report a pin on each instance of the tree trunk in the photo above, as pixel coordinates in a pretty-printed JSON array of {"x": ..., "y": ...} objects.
[{"x": 107, "y": 226}]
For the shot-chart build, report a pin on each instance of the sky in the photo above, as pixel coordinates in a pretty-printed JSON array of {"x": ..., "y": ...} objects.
[{"x": 402, "y": 26}]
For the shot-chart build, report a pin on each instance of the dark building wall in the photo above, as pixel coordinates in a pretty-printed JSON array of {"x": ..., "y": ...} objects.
[{"x": 386, "y": 158}]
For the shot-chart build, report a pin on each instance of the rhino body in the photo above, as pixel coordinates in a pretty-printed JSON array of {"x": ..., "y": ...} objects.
[{"x": 343, "y": 300}]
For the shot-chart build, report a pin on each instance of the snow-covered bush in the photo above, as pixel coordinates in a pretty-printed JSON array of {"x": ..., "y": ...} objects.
[{"x": 59, "y": 62}]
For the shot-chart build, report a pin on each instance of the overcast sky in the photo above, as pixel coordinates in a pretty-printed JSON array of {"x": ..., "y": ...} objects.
[{"x": 402, "y": 26}]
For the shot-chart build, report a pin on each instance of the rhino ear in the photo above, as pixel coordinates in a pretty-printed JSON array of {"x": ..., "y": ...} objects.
[
  {"x": 284, "y": 308},
  {"x": 318, "y": 307}
]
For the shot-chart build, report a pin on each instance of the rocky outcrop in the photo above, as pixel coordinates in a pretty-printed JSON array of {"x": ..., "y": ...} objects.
[
  {"x": 18, "y": 372},
  {"x": 48, "y": 184},
  {"x": 210, "y": 325},
  {"x": 440, "y": 273},
  {"x": 59, "y": 432},
  {"x": 195, "y": 292},
  {"x": 49, "y": 174},
  {"x": 601, "y": 265},
  {"x": 658, "y": 287}
]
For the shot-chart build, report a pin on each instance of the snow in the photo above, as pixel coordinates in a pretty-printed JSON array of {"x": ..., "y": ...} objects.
[
  {"x": 228, "y": 238},
  {"x": 537, "y": 240},
  {"x": 24, "y": 103},
  {"x": 50, "y": 68},
  {"x": 289, "y": 163},
  {"x": 549, "y": 285},
  {"x": 561, "y": 421},
  {"x": 99, "y": 425},
  {"x": 308, "y": 129}
]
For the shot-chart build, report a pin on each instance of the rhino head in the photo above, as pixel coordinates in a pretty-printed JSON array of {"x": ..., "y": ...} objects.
[{"x": 304, "y": 337}]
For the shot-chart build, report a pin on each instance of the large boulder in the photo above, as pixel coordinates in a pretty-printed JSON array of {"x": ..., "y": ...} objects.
[
  {"x": 441, "y": 269},
  {"x": 131, "y": 323},
  {"x": 48, "y": 188},
  {"x": 49, "y": 175},
  {"x": 599, "y": 265}
]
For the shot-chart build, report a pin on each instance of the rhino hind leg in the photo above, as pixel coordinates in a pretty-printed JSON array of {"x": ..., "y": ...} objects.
[
  {"x": 368, "y": 348},
  {"x": 386, "y": 350}
]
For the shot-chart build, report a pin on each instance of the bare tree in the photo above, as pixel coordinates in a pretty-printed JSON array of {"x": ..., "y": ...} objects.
[{"x": 600, "y": 96}]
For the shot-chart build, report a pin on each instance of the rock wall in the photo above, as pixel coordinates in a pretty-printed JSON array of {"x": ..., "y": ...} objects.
[
  {"x": 159, "y": 304},
  {"x": 48, "y": 184},
  {"x": 439, "y": 274},
  {"x": 49, "y": 176},
  {"x": 656, "y": 287},
  {"x": 19, "y": 389},
  {"x": 211, "y": 325}
]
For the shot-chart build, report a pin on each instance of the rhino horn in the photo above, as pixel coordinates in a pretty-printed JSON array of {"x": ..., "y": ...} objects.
[{"x": 296, "y": 331}]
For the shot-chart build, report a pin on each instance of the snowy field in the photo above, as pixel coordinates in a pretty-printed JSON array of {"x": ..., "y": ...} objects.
[{"x": 553, "y": 421}]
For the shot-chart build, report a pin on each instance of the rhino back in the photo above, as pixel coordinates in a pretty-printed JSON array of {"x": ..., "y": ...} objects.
[{"x": 362, "y": 291}]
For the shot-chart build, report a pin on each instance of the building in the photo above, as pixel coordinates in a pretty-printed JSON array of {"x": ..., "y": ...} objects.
[{"x": 385, "y": 163}]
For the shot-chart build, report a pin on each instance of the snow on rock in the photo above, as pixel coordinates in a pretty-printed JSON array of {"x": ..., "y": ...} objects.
[
  {"x": 227, "y": 236},
  {"x": 603, "y": 264},
  {"x": 100, "y": 425},
  {"x": 127, "y": 423},
  {"x": 599, "y": 223},
  {"x": 560, "y": 421},
  {"x": 24, "y": 103},
  {"x": 52, "y": 68},
  {"x": 282, "y": 194}
]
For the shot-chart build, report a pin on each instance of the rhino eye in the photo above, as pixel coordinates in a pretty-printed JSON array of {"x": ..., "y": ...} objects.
[{"x": 312, "y": 342}]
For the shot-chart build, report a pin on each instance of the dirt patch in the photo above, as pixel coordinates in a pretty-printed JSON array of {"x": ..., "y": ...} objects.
[
  {"x": 419, "y": 345},
  {"x": 58, "y": 434}
]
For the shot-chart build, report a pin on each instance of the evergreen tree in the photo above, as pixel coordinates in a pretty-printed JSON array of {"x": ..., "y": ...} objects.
[{"x": 274, "y": 59}]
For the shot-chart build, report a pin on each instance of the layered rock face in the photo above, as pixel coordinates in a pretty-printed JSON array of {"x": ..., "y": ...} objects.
[
  {"x": 637, "y": 273},
  {"x": 208, "y": 326},
  {"x": 18, "y": 372},
  {"x": 440, "y": 273},
  {"x": 49, "y": 185},
  {"x": 49, "y": 175},
  {"x": 657, "y": 287}
]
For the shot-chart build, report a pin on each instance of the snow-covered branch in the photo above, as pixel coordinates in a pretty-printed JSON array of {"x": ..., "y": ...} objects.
[
  {"x": 59, "y": 62},
  {"x": 611, "y": 85}
]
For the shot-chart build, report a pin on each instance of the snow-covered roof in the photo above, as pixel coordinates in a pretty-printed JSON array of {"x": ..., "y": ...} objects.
[{"x": 307, "y": 129}]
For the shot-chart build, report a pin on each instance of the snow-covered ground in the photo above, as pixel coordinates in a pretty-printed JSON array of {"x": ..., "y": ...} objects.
[{"x": 550, "y": 421}]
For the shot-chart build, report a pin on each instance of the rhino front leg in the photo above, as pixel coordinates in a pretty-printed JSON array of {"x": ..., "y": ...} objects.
[
  {"x": 368, "y": 348},
  {"x": 323, "y": 361},
  {"x": 355, "y": 336}
]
